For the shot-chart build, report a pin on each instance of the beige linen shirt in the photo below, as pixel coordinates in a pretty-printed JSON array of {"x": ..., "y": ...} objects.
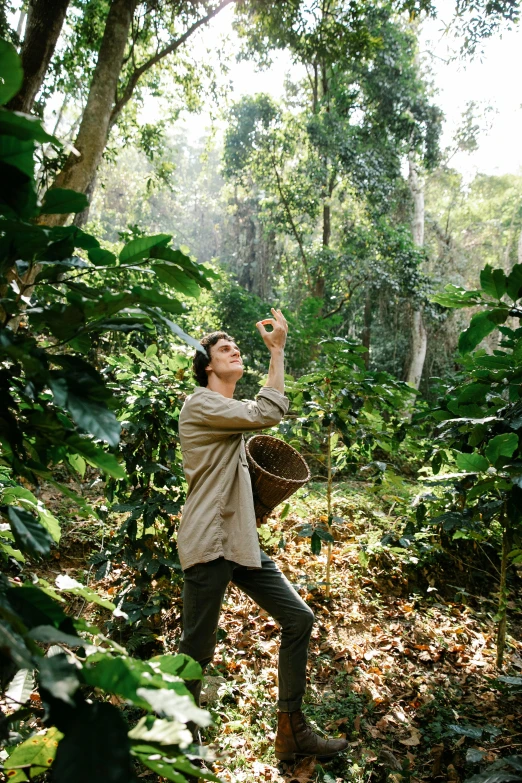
[{"x": 218, "y": 519}]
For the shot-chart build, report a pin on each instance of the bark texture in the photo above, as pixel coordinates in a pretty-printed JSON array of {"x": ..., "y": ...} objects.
[
  {"x": 45, "y": 20},
  {"x": 79, "y": 170},
  {"x": 419, "y": 337}
]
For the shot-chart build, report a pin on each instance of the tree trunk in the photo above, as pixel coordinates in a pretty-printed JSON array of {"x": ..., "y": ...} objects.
[
  {"x": 79, "y": 170},
  {"x": 419, "y": 337},
  {"x": 45, "y": 20},
  {"x": 367, "y": 329}
]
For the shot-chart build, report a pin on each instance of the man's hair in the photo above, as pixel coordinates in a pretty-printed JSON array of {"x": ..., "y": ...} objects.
[{"x": 201, "y": 361}]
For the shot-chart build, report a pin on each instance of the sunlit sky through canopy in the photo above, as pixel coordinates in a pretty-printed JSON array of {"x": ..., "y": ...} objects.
[{"x": 490, "y": 79}]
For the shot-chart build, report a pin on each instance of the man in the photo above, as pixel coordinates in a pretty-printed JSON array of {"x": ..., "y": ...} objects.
[{"x": 217, "y": 539}]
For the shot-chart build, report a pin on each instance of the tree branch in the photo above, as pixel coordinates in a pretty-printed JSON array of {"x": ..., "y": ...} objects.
[
  {"x": 292, "y": 222},
  {"x": 172, "y": 47}
]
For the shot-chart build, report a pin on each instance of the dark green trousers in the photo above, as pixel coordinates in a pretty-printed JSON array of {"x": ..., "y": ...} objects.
[{"x": 205, "y": 585}]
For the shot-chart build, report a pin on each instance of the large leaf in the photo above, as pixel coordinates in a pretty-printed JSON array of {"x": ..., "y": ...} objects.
[
  {"x": 164, "y": 732},
  {"x": 24, "y": 127},
  {"x": 455, "y": 296},
  {"x": 29, "y": 535},
  {"x": 493, "y": 282},
  {"x": 173, "y": 705},
  {"x": 501, "y": 446},
  {"x": 11, "y": 73},
  {"x": 35, "y": 607},
  {"x": 17, "y": 153},
  {"x": 95, "y": 748},
  {"x": 51, "y": 635},
  {"x": 177, "y": 279},
  {"x": 139, "y": 248},
  {"x": 68, "y": 585},
  {"x": 94, "y": 418},
  {"x": 166, "y": 765},
  {"x": 19, "y": 495},
  {"x": 61, "y": 201},
  {"x": 152, "y": 297},
  {"x": 514, "y": 283},
  {"x": 59, "y": 677},
  {"x": 119, "y": 675},
  {"x": 36, "y": 754},
  {"x": 472, "y": 463},
  {"x": 20, "y": 687},
  {"x": 95, "y": 456},
  {"x": 178, "y": 665},
  {"x": 481, "y": 325},
  {"x": 100, "y": 257},
  {"x": 177, "y": 330},
  {"x": 13, "y": 646}
]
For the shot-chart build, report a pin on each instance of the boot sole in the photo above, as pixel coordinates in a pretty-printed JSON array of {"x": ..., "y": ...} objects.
[{"x": 297, "y": 755}]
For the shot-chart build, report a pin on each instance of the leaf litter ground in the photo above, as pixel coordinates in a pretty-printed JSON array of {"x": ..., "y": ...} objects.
[{"x": 406, "y": 672}]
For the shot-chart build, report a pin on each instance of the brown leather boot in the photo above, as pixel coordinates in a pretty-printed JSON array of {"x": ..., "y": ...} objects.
[{"x": 295, "y": 738}]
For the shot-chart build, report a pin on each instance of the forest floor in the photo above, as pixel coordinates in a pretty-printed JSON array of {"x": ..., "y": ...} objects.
[{"x": 402, "y": 659}]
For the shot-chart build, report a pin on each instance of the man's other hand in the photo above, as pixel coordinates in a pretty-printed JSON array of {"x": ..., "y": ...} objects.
[{"x": 276, "y": 339}]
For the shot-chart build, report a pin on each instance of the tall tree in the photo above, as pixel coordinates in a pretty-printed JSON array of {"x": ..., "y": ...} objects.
[
  {"x": 44, "y": 23},
  {"x": 131, "y": 46},
  {"x": 419, "y": 335}
]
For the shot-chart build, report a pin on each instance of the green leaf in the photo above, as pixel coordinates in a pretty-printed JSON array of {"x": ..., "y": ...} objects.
[
  {"x": 29, "y": 535},
  {"x": 11, "y": 73},
  {"x": 514, "y": 283},
  {"x": 285, "y": 511},
  {"x": 68, "y": 585},
  {"x": 501, "y": 446},
  {"x": 177, "y": 330},
  {"x": 472, "y": 463},
  {"x": 36, "y": 607},
  {"x": 14, "y": 495},
  {"x": 455, "y": 296},
  {"x": 180, "y": 665},
  {"x": 177, "y": 279},
  {"x": 94, "y": 418},
  {"x": 95, "y": 456},
  {"x": 17, "y": 153},
  {"x": 119, "y": 675},
  {"x": 100, "y": 257},
  {"x": 315, "y": 543},
  {"x": 77, "y": 463},
  {"x": 481, "y": 325},
  {"x": 24, "y": 127},
  {"x": 139, "y": 248},
  {"x": 173, "y": 705},
  {"x": 61, "y": 201},
  {"x": 166, "y": 766},
  {"x": 493, "y": 282},
  {"x": 51, "y": 635},
  {"x": 59, "y": 677},
  {"x": 10, "y": 551},
  {"x": 152, "y": 297},
  {"x": 164, "y": 732},
  {"x": 13, "y": 646},
  {"x": 37, "y": 753},
  {"x": 20, "y": 687}
]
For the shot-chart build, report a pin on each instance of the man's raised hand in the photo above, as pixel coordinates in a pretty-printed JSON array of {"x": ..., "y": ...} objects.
[{"x": 276, "y": 339}]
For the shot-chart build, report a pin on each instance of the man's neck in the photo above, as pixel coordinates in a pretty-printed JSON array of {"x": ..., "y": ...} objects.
[{"x": 226, "y": 388}]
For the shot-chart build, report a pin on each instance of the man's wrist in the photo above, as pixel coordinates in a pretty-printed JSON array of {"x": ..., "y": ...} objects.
[{"x": 277, "y": 351}]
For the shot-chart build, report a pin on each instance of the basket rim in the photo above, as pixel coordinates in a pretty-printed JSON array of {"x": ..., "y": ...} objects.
[{"x": 273, "y": 476}]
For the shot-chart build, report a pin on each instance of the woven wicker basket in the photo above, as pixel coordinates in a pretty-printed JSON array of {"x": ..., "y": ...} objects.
[{"x": 277, "y": 471}]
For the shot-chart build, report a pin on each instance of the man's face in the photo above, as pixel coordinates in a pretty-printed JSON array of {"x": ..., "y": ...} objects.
[{"x": 225, "y": 361}]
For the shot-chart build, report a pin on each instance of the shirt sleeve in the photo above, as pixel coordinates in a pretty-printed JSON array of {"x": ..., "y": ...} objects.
[{"x": 233, "y": 416}]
